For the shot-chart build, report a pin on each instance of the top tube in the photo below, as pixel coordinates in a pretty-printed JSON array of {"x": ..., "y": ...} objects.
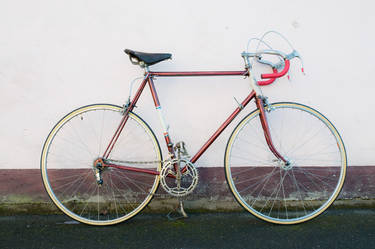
[{"x": 199, "y": 73}]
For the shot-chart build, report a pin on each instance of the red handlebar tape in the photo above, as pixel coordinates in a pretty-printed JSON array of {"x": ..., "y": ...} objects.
[
  {"x": 277, "y": 74},
  {"x": 269, "y": 81}
]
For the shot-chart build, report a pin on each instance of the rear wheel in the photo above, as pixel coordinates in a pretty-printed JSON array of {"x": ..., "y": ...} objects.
[
  {"x": 293, "y": 192},
  {"x": 69, "y": 165}
]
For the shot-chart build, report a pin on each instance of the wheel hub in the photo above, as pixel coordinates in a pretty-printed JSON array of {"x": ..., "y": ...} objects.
[{"x": 288, "y": 165}]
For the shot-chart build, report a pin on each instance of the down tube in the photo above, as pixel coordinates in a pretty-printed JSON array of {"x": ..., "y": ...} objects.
[{"x": 223, "y": 126}]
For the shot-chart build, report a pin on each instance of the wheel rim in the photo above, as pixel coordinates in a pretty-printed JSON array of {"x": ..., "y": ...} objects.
[
  {"x": 272, "y": 190},
  {"x": 68, "y": 171}
]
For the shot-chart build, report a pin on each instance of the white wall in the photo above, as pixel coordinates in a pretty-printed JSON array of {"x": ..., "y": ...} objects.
[{"x": 59, "y": 55}]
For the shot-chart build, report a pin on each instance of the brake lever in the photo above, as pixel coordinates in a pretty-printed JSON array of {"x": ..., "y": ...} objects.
[
  {"x": 295, "y": 54},
  {"x": 265, "y": 62}
]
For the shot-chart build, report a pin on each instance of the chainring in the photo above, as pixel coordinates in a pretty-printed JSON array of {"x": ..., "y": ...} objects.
[{"x": 179, "y": 184}]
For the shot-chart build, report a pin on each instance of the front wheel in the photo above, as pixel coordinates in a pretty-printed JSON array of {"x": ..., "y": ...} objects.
[
  {"x": 293, "y": 192},
  {"x": 100, "y": 195}
]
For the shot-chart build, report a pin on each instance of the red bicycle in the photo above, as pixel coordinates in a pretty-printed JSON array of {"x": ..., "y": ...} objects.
[{"x": 284, "y": 162}]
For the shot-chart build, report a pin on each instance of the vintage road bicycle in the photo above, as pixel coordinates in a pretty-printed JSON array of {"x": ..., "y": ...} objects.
[{"x": 284, "y": 162}]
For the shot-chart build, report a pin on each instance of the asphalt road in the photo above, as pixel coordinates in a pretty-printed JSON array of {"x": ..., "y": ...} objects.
[{"x": 354, "y": 228}]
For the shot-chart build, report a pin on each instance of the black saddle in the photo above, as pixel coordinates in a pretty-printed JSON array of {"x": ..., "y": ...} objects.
[{"x": 146, "y": 59}]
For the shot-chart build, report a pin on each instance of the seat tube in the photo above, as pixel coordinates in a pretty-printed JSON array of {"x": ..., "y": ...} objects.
[
  {"x": 154, "y": 94},
  {"x": 266, "y": 130}
]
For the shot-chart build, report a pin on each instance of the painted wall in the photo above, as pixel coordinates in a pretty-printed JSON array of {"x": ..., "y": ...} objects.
[{"x": 58, "y": 55}]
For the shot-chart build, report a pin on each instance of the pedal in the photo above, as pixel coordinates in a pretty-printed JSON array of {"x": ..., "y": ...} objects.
[{"x": 179, "y": 212}]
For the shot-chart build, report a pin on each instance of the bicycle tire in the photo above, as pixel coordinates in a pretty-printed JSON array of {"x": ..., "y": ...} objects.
[
  {"x": 70, "y": 150},
  {"x": 279, "y": 193}
]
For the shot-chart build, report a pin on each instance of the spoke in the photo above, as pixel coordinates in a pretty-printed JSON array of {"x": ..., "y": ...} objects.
[
  {"x": 78, "y": 146},
  {"x": 125, "y": 183},
  {"x": 72, "y": 183},
  {"x": 319, "y": 177},
  {"x": 265, "y": 179},
  {"x": 85, "y": 146},
  {"x": 321, "y": 152},
  {"x": 133, "y": 182},
  {"x": 66, "y": 158},
  {"x": 87, "y": 203},
  {"x": 275, "y": 190},
  {"x": 305, "y": 141},
  {"x": 246, "y": 170},
  {"x": 308, "y": 190},
  {"x": 299, "y": 191},
  {"x": 257, "y": 177},
  {"x": 307, "y": 173},
  {"x": 80, "y": 184},
  {"x": 124, "y": 196},
  {"x": 98, "y": 201},
  {"x": 265, "y": 182},
  {"x": 113, "y": 194},
  {"x": 324, "y": 162},
  {"x": 101, "y": 134},
  {"x": 279, "y": 188},
  {"x": 261, "y": 145},
  {"x": 56, "y": 179},
  {"x": 286, "y": 208},
  {"x": 321, "y": 168},
  {"x": 94, "y": 132},
  {"x": 253, "y": 160}
]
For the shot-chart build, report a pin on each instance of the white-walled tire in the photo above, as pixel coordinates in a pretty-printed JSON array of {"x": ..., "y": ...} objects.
[
  {"x": 70, "y": 150},
  {"x": 279, "y": 193}
]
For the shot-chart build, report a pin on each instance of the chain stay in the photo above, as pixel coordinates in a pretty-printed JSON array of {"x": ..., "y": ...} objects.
[{"x": 133, "y": 162}]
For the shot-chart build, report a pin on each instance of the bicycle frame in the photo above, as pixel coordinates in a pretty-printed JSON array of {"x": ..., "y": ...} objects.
[{"x": 149, "y": 80}]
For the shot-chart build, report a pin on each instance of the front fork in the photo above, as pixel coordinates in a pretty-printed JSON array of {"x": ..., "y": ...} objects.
[{"x": 261, "y": 102}]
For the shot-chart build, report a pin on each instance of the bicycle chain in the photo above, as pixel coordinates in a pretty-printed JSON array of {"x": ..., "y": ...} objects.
[
  {"x": 179, "y": 146},
  {"x": 133, "y": 162}
]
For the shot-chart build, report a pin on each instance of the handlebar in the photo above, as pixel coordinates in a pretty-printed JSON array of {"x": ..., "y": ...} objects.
[
  {"x": 277, "y": 74},
  {"x": 284, "y": 64},
  {"x": 269, "y": 81}
]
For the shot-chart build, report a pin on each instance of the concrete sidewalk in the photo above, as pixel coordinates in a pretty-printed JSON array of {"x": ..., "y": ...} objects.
[{"x": 347, "y": 228}]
